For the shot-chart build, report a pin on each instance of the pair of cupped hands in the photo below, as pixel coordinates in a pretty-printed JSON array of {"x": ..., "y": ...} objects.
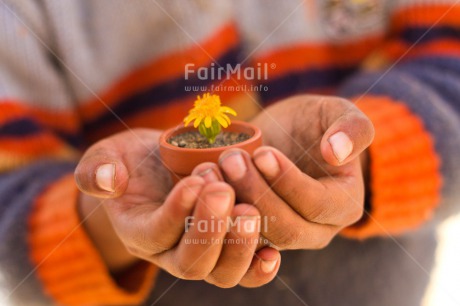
[{"x": 298, "y": 191}]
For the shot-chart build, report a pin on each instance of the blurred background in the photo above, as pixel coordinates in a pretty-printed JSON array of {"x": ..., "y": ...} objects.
[{"x": 444, "y": 289}]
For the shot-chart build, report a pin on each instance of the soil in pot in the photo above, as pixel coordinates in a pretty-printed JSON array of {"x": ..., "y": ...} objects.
[
  {"x": 194, "y": 140},
  {"x": 181, "y": 161}
]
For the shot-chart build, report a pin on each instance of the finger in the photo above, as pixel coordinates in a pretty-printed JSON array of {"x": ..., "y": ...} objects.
[
  {"x": 101, "y": 172},
  {"x": 238, "y": 249},
  {"x": 330, "y": 201},
  {"x": 348, "y": 131},
  {"x": 263, "y": 268},
  {"x": 209, "y": 171},
  {"x": 199, "y": 249},
  {"x": 289, "y": 230},
  {"x": 147, "y": 229}
]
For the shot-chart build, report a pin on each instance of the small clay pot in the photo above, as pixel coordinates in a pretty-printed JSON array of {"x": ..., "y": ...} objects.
[{"x": 181, "y": 161}]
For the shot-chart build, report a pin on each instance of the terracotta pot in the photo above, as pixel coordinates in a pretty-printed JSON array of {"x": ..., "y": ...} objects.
[{"x": 181, "y": 161}]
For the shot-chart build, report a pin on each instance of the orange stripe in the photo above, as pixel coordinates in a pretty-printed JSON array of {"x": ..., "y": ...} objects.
[
  {"x": 68, "y": 265},
  {"x": 406, "y": 179},
  {"x": 397, "y": 48},
  {"x": 442, "y": 47},
  {"x": 426, "y": 16},
  {"x": 41, "y": 144},
  {"x": 423, "y": 207},
  {"x": 307, "y": 56},
  {"x": 423, "y": 165},
  {"x": 163, "y": 69},
  {"x": 66, "y": 121}
]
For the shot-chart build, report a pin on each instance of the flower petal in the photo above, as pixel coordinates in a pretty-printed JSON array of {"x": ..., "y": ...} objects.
[
  {"x": 189, "y": 118},
  {"x": 228, "y": 110},
  {"x": 197, "y": 121},
  {"x": 222, "y": 121},
  {"x": 226, "y": 118},
  {"x": 207, "y": 122}
]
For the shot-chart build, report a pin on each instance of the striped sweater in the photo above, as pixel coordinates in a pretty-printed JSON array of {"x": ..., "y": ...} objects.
[{"x": 73, "y": 72}]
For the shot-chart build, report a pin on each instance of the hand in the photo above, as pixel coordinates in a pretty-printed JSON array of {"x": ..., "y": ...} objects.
[
  {"x": 309, "y": 178},
  {"x": 148, "y": 216}
]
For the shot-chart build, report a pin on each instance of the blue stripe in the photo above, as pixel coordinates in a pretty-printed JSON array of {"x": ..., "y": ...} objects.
[
  {"x": 439, "y": 73},
  {"x": 74, "y": 140},
  {"x": 18, "y": 191},
  {"x": 19, "y": 128},
  {"x": 160, "y": 94},
  {"x": 26, "y": 127},
  {"x": 413, "y": 34},
  {"x": 304, "y": 81}
]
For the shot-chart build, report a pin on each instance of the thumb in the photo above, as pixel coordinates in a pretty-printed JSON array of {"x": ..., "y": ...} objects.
[
  {"x": 348, "y": 132},
  {"x": 101, "y": 171}
]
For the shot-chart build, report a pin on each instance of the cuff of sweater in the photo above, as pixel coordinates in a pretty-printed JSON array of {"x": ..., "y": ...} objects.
[
  {"x": 405, "y": 181},
  {"x": 68, "y": 265}
]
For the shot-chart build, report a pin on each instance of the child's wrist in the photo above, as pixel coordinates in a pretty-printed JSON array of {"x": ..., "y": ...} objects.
[{"x": 100, "y": 230}]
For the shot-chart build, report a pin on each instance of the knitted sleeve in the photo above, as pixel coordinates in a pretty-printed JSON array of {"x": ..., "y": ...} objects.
[
  {"x": 413, "y": 101},
  {"x": 45, "y": 255}
]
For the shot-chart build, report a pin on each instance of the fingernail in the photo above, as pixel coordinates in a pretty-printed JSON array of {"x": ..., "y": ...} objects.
[
  {"x": 218, "y": 203},
  {"x": 267, "y": 163},
  {"x": 268, "y": 266},
  {"x": 209, "y": 175},
  {"x": 341, "y": 146},
  {"x": 234, "y": 166},
  {"x": 105, "y": 177},
  {"x": 189, "y": 195}
]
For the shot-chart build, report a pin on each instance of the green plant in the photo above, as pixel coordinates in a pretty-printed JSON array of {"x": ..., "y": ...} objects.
[{"x": 209, "y": 116}]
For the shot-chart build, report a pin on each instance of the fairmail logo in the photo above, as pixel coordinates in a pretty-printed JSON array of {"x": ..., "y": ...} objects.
[{"x": 226, "y": 72}]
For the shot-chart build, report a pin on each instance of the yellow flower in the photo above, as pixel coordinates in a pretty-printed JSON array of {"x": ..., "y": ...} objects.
[{"x": 207, "y": 110}]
